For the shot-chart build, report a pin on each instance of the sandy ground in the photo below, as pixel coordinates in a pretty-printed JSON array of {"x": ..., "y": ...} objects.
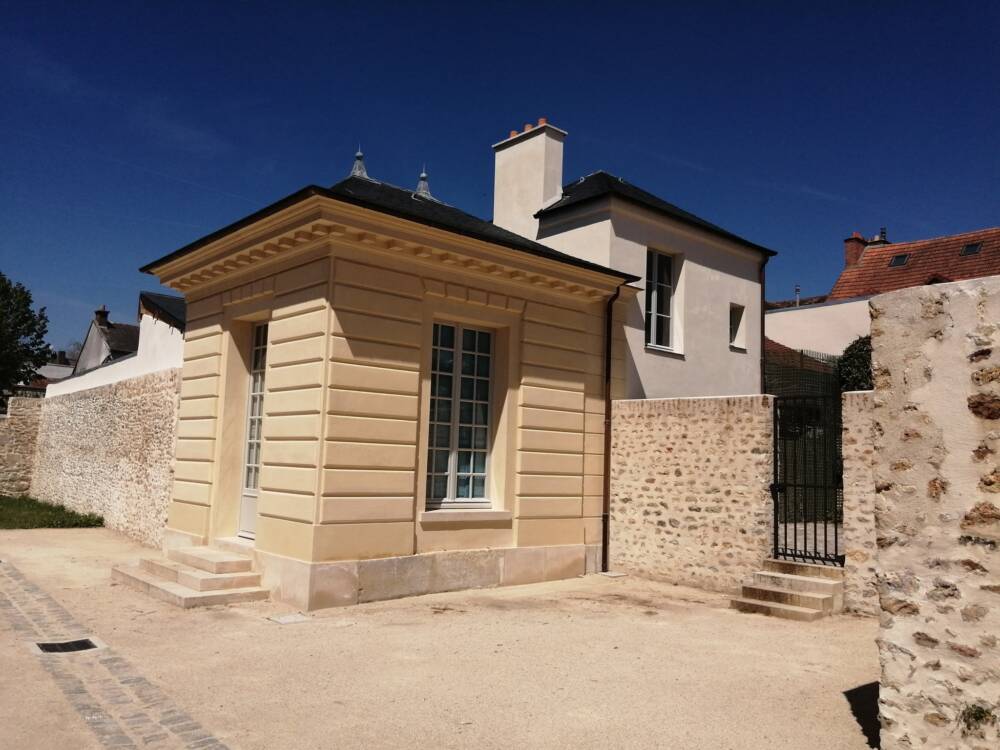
[{"x": 593, "y": 662}]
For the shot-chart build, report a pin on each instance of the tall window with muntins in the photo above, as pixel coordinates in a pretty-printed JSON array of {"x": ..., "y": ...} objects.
[
  {"x": 458, "y": 440},
  {"x": 255, "y": 408},
  {"x": 659, "y": 297}
]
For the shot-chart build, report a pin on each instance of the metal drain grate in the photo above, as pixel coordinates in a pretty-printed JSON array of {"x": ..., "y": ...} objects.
[{"x": 65, "y": 647}]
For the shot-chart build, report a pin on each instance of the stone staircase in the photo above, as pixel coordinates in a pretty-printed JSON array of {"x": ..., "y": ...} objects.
[
  {"x": 195, "y": 576},
  {"x": 793, "y": 590}
]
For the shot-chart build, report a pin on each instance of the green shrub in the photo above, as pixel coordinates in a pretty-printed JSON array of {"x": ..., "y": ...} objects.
[{"x": 854, "y": 368}]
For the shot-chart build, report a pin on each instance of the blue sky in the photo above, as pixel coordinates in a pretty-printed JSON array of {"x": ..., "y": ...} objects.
[{"x": 130, "y": 129}]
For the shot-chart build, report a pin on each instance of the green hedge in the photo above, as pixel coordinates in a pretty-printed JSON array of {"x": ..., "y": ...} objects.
[{"x": 854, "y": 368}]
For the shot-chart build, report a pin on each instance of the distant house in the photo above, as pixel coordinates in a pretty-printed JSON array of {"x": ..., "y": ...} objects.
[
  {"x": 105, "y": 342},
  {"x": 117, "y": 351},
  {"x": 829, "y": 323},
  {"x": 692, "y": 326}
]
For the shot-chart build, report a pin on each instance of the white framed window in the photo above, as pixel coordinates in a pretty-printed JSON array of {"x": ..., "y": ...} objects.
[
  {"x": 458, "y": 437},
  {"x": 737, "y": 329},
  {"x": 659, "y": 299}
]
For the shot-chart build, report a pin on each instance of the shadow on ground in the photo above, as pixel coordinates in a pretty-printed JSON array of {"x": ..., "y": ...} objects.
[{"x": 863, "y": 701}]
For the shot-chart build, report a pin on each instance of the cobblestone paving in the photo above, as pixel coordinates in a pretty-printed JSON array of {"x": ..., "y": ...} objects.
[{"x": 121, "y": 707}]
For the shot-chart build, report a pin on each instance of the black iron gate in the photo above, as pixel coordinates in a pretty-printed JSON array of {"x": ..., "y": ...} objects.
[{"x": 808, "y": 487}]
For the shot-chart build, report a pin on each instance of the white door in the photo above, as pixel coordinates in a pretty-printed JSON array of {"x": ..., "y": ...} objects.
[{"x": 255, "y": 415}]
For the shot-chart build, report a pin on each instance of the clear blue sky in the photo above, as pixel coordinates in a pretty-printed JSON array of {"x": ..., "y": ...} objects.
[{"x": 127, "y": 130}]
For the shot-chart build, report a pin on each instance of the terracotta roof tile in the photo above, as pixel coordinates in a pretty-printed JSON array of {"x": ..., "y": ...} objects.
[{"x": 929, "y": 262}]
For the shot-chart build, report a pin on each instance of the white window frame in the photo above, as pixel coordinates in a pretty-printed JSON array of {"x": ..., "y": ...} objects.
[
  {"x": 652, "y": 319},
  {"x": 738, "y": 338},
  {"x": 451, "y": 500}
]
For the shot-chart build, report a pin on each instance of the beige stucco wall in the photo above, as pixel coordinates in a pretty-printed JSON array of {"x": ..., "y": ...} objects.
[
  {"x": 937, "y": 421},
  {"x": 344, "y": 454},
  {"x": 710, "y": 274},
  {"x": 18, "y": 433},
  {"x": 690, "y": 499},
  {"x": 109, "y": 450},
  {"x": 860, "y": 592},
  {"x": 826, "y": 328}
]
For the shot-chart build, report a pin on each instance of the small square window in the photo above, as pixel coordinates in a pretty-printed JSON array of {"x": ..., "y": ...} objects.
[
  {"x": 737, "y": 332},
  {"x": 898, "y": 260},
  {"x": 972, "y": 248}
]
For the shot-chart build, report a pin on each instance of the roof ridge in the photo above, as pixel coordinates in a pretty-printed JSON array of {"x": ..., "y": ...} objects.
[{"x": 931, "y": 239}]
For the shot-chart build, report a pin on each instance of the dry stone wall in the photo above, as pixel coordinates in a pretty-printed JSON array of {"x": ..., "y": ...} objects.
[
  {"x": 690, "y": 499},
  {"x": 937, "y": 425},
  {"x": 109, "y": 450},
  {"x": 18, "y": 433},
  {"x": 860, "y": 591}
]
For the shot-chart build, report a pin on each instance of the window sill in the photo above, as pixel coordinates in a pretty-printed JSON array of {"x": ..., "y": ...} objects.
[
  {"x": 465, "y": 515},
  {"x": 666, "y": 351},
  {"x": 739, "y": 349}
]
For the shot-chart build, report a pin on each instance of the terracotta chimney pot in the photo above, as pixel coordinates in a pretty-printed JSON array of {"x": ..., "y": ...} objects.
[{"x": 543, "y": 121}]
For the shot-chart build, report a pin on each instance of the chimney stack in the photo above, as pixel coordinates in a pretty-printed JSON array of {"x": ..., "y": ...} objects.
[
  {"x": 101, "y": 316},
  {"x": 527, "y": 176},
  {"x": 853, "y": 247}
]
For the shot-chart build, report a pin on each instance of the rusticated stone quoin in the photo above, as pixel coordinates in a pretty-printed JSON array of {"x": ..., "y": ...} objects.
[
  {"x": 940, "y": 575},
  {"x": 18, "y": 434},
  {"x": 109, "y": 450}
]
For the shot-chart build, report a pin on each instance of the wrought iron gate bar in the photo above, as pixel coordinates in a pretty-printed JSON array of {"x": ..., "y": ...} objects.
[{"x": 808, "y": 482}]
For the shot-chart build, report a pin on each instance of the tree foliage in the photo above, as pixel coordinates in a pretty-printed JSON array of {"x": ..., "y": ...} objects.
[
  {"x": 854, "y": 368},
  {"x": 22, "y": 335}
]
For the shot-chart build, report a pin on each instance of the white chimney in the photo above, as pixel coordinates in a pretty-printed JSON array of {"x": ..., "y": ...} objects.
[{"x": 527, "y": 176}]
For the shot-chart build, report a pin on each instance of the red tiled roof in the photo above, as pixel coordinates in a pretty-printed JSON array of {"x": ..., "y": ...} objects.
[{"x": 930, "y": 262}]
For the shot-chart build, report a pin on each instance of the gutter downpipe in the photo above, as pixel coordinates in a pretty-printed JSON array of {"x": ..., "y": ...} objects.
[
  {"x": 606, "y": 504},
  {"x": 763, "y": 303}
]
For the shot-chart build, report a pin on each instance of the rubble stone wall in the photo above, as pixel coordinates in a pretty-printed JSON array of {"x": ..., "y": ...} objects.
[
  {"x": 690, "y": 498},
  {"x": 937, "y": 472},
  {"x": 109, "y": 450},
  {"x": 860, "y": 591},
  {"x": 18, "y": 433}
]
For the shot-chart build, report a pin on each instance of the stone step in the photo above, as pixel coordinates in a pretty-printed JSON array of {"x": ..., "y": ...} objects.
[
  {"x": 211, "y": 560},
  {"x": 820, "y": 602},
  {"x": 798, "y": 583},
  {"x": 774, "y": 609},
  {"x": 196, "y": 579},
  {"x": 810, "y": 570},
  {"x": 234, "y": 544},
  {"x": 174, "y": 593}
]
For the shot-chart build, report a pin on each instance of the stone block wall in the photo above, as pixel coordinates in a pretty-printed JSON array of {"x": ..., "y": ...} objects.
[
  {"x": 860, "y": 591},
  {"x": 109, "y": 450},
  {"x": 937, "y": 425},
  {"x": 690, "y": 498},
  {"x": 18, "y": 433}
]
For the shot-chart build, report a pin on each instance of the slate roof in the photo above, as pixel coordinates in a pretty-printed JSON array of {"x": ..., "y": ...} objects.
[
  {"x": 930, "y": 261},
  {"x": 602, "y": 184},
  {"x": 122, "y": 338},
  {"x": 404, "y": 204},
  {"x": 169, "y": 308}
]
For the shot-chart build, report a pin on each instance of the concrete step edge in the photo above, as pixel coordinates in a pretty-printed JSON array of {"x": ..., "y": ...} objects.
[
  {"x": 789, "y": 611},
  {"x": 832, "y": 584},
  {"x": 180, "y": 595},
  {"x": 211, "y": 560},
  {"x": 805, "y": 599}
]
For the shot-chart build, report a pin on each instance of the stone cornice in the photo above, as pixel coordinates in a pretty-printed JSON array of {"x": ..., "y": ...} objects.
[{"x": 318, "y": 220}]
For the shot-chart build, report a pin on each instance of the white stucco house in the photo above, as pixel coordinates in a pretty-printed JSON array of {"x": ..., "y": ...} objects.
[
  {"x": 117, "y": 351},
  {"x": 830, "y": 322},
  {"x": 693, "y": 325}
]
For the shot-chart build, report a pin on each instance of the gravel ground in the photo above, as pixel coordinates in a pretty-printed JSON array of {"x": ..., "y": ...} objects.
[{"x": 593, "y": 662}]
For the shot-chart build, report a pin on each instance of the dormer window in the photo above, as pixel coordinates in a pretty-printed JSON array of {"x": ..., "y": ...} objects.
[
  {"x": 898, "y": 260},
  {"x": 972, "y": 248}
]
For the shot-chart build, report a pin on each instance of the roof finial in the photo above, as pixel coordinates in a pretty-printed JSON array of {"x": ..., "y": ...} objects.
[
  {"x": 358, "y": 170},
  {"x": 423, "y": 187}
]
